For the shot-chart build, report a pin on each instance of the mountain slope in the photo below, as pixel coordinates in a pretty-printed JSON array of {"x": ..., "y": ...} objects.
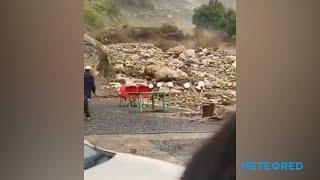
[{"x": 148, "y": 13}]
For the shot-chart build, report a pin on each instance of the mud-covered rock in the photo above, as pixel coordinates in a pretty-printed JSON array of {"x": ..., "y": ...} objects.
[
  {"x": 189, "y": 53},
  {"x": 176, "y": 50},
  {"x": 167, "y": 74}
]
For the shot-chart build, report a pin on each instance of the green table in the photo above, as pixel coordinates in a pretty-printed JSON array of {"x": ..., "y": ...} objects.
[{"x": 140, "y": 96}]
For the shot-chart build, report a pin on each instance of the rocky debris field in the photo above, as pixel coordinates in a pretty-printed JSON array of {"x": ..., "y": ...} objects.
[{"x": 145, "y": 63}]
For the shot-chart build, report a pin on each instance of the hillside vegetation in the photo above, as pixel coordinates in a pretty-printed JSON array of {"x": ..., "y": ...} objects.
[
  {"x": 150, "y": 13},
  {"x": 98, "y": 13}
]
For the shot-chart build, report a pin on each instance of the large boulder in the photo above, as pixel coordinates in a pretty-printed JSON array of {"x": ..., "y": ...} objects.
[
  {"x": 189, "y": 53},
  {"x": 168, "y": 74},
  {"x": 150, "y": 70},
  {"x": 182, "y": 56},
  {"x": 176, "y": 50}
]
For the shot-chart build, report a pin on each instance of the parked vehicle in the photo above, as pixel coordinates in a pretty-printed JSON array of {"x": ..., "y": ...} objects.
[{"x": 101, "y": 164}]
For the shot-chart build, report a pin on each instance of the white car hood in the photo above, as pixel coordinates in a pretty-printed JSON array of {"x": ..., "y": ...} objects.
[{"x": 130, "y": 167}]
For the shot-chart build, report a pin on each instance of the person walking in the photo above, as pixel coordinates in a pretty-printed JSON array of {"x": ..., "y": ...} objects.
[{"x": 89, "y": 88}]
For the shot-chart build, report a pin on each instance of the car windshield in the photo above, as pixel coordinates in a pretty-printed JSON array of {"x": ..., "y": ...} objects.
[{"x": 93, "y": 156}]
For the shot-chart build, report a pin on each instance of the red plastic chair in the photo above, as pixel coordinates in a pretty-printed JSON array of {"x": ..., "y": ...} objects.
[
  {"x": 131, "y": 89},
  {"x": 144, "y": 89},
  {"x": 123, "y": 94}
]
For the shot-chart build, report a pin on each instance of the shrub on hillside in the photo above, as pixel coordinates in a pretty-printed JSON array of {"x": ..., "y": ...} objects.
[
  {"x": 231, "y": 21},
  {"x": 92, "y": 18},
  {"x": 106, "y": 7},
  {"x": 95, "y": 12}
]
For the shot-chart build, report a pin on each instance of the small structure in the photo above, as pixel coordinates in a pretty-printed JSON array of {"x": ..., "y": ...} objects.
[{"x": 208, "y": 109}]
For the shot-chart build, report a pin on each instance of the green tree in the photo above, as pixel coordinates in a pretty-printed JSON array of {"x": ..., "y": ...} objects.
[
  {"x": 231, "y": 21},
  {"x": 211, "y": 16},
  {"x": 215, "y": 16}
]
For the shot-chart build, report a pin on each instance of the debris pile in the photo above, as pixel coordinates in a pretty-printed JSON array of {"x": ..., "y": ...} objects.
[{"x": 146, "y": 63}]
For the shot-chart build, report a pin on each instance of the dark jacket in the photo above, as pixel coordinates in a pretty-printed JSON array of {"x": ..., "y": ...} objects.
[{"x": 89, "y": 85}]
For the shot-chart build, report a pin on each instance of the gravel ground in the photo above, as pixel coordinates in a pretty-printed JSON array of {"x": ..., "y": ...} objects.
[
  {"x": 181, "y": 149},
  {"x": 176, "y": 148},
  {"x": 107, "y": 117},
  {"x": 155, "y": 135}
]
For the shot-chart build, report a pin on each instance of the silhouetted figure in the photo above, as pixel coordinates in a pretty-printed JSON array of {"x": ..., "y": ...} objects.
[
  {"x": 89, "y": 87},
  {"x": 216, "y": 160}
]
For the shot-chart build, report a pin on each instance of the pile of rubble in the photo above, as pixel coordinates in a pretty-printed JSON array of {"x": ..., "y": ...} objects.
[{"x": 146, "y": 63}]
